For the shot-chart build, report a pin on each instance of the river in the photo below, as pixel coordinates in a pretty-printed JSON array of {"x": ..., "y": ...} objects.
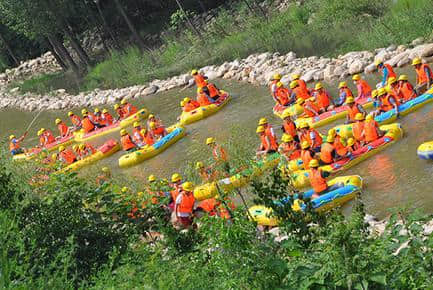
[{"x": 395, "y": 177}]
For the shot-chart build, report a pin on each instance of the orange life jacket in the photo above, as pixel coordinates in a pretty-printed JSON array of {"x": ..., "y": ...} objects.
[
  {"x": 67, "y": 156},
  {"x": 89, "y": 149},
  {"x": 158, "y": 132},
  {"x": 301, "y": 92},
  {"x": 219, "y": 154},
  {"x": 200, "y": 80},
  {"x": 120, "y": 113},
  {"x": 307, "y": 137},
  {"x": 370, "y": 129},
  {"x": 49, "y": 137},
  {"x": 303, "y": 85},
  {"x": 63, "y": 129},
  {"x": 136, "y": 135},
  {"x": 358, "y": 130},
  {"x": 282, "y": 95},
  {"x": 75, "y": 120},
  {"x": 42, "y": 141},
  {"x": 323, "y": 100},
  {"x": 407, "y": 91},
  {"x": 203, "y": 99},
  {"x": 391, "y": 73},
  {"x": 175, "y": 192},
  {"x": 148, "y": 139},
  {"x": 347, "y": 91},
  {"x": 364, "y": 89},
  {"x": 306, "y": 157},
  {"x": 191, "y": 106},
  {"x": 289, "y": 127},
  {"x": 129, "y": 110},
  {"x": 269, "y": 132},
  {"x": 267, "y": 144},
  {"x": 292, "y": 148},
  {"x": 213, "y": 91},
  {"x": 208, "y": 205},
  {"x": 14, "y": 146},
  {"x": 88, "y": 126},
  {"x": 352, "y": 111},
  {"x": 107, "y": 119},
  {"x": 326, "y": 153},
  {"x": 187, "y": 203},
  {"x": 339, "y": 146},
  {"x": 127, "y": 142},
  {"x": 422, "y": 76},
  {"x": 318, "y": 183},
  {"x": 385, "y": 103},
  {"x": 310, "y": 109}
]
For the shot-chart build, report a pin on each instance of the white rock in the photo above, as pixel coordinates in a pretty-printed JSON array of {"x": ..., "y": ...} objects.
[
  {"x": 421, "y": 51},
  {"x": 356, "y": 67},
  {"x": 417, "y": 41},
  {"x": 14, "y": 90},
  {"x": 149, "y": 91},
  {"x": 328, "y": 73},
  {"x": 309, "y": 76},
  {"x": 370, "y": 68}
]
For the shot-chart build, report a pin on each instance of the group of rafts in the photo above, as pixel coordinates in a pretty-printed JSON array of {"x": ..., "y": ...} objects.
[
  {"x": 312, "y": 109},
  {"x": 142, "y": 144}
]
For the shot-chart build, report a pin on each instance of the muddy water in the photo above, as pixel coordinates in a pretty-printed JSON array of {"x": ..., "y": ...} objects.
[{"x": 393, "y": 178}]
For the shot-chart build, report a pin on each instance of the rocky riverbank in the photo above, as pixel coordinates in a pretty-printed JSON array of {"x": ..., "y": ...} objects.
[{"x": 256, "y": 69}]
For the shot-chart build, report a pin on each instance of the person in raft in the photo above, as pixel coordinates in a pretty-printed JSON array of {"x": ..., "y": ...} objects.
[
  {"x": 127, "y": 108},
  {"x": 267, "y": 145},
  {"x": 127, "y": 144},
  {"x": 386, "y": 71},
  {"x": 424, "y": 76},
  {"x": 63, "y": 128},
  {"x": 15, "y": 144},
  {"x": 66, "y": 155},
  {"x": 75, "y": 120},
  {"x": 200, "y": 79},
  {"x": 318, "y": 180}
]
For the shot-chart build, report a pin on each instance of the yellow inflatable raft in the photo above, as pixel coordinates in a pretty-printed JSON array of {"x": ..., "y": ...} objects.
[
  {"x": 33, "y": 152},
  {"x": 343, "y": 189},
  {"x": 425, "y": 151},
  {"x": 136, "y": 157},
  {"x": 81, "y": 136},
  {"x": 241, "y": 179},
  {"x": 294, "y": 110},
  {"x": 203, "y": 112},
  {"x": 394, "y": 132},
  {"x": 106, "y": 150}
]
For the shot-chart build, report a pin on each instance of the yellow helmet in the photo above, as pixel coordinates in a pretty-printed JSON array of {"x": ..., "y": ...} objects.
[
  {"x": 359, "y": 117},
  {"x": 84, "y": 111},
  {"x": 124, "y": 189},
  {"x": 295, "y": 77},
  {"x": 39, "y": 133},
  {"x": 374, "y": 93},
  {"x": 105, "y": 169},
  {"x": 263, "y": 121},
  {"x": 369, "y": 117},
  {"x": 260, "y": 129},
  {"x": 96, "y": 110},
  {"x": 286, "y": 114},
  {"x": 332, "y": 132},
  {"x": 286, "y": 138},
  {"x": 123, "y": 101},
  {"x": 70, "y": 114},
  {"x": 350, "y": 100},
  {"x": 312, "y": 99},
  {"x": 279, "y": 84},
  {"x": 304, "y": 125},
  {"x": 151, "y": 178},
  {"x": 116, "y": 106},
  {"x": 300, "y": 101},
  {"x": 199, "y": 90},
  {"x": 136, "y": 124},
  {"x": 378, "y": 62},
  {"x": 104, "y": 111},
  {"x": 182, "y": 103},
  {"x": 186, "y": 99},
  {"x": 381, "y": 91},
  {"x": 11, "y": 137},
  {"x": 151, "y": 116},
  {"x": 313, "y": 163},
  {"x": 330, "y": 138},
  {"x": 342, "y": 85},
  {"x": 58, "y": 121},
  {"x": 356, "y": 77},
  {"x": 350, "y": 142},
  {"x": 61, "y": 148},
  {"x": 199, "y": 165},
  {"x": 210, "y": 140},
  {"x": 318, "y": 86},
  {"x": 392, "y": 80},
  {"x": 143, "y": 131},
  {"x": 54, "y": 156},
  {"x": 305, "y": 145},
  {"x": 176, "y": 177},
  {"x": 82, "y": 146},
  {"x": 123, "y": 132},
  {"x": 152, "y": 125},
  {"x": 42, "y": 130},
  {"x": 293, "y": 84},
  {"x": 277, "y": 77},
  {"x": 188, "y": 186},
  {"x": 416, "y": 61},
  {"x": 403, "y": 78},
  {"x": 75, "y": 147},
  {"x": 194, "y": 72}
]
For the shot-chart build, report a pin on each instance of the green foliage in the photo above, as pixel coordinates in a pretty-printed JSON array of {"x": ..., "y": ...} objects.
[{"x": 47, "y": 83}]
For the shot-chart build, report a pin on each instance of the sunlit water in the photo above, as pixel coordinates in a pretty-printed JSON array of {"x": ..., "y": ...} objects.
[{"x": 394, "y": 177}]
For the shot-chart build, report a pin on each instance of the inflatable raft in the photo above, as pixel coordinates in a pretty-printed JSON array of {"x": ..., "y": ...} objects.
[
  {"x": 331, "y": 116},
  {"x": 238, "y": 180},
  {"x": 106, "y": 150},
  {"x": 203, "y": 112},
  {"x": 347, "y": 189},
  {"x": 394, "y": 132},
  {"x": 33, "y": 152},
  {"x": 425, "y": 151},
  {"x": 136, "y": 157},
  {"x": 81, "y": 136},
  {"x": 294, "y": 110}
]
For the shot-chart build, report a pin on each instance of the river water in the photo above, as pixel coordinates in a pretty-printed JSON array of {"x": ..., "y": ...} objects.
[{"x": 395, "y": 177}]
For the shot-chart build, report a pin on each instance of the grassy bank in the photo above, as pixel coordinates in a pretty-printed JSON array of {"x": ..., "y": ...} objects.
[
  {"x": 70, "y": 233},
  {"x": 317, "y": 27}
]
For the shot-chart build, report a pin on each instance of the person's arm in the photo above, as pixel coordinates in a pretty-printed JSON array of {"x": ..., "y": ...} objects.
[
  {"x": 427, "y": 71},
  {"x": 313, "y": 139},
  {"x": 341, "y": 99},
  {"x": 394, "y": 103},
  {"x": 176, "y": 204},
  {"x": 312, "y": 110}
]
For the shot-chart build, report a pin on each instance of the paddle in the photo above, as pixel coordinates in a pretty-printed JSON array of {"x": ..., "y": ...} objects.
[{"x": 31, "y": 123}]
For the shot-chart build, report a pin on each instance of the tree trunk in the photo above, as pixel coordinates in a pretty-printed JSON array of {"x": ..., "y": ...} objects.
[
  {"x": 57, "y": 56},
  {"x": 105, "y": 25},
  {"x": 189, "y": 21},
  {"x": 76, "y": 45},
  {"x": 131, "y": 27},
  {"x": 202, "y": 6},
  {"x": 61, "y": 49},
  {"x": 9, "y": 49}
]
